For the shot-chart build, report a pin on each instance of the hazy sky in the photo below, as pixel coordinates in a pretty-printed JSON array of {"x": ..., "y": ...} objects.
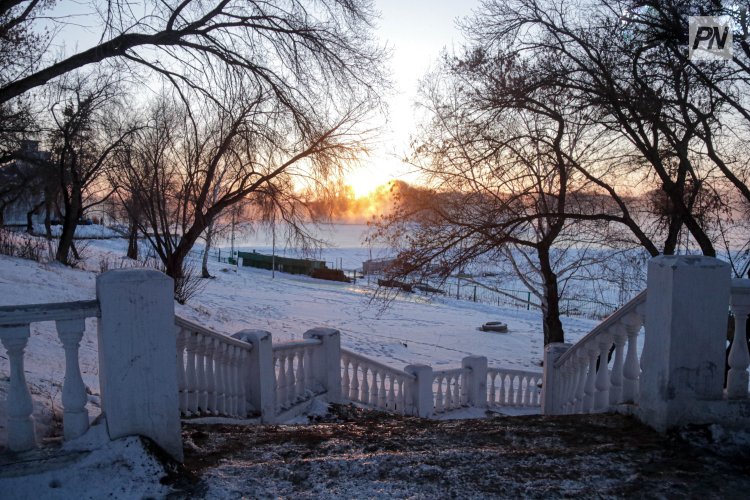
[{"x": 416, "y": 31}]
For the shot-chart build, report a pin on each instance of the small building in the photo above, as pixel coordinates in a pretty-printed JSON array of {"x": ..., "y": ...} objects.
[
  {"x": 377, "y": 266},
  {"x": 282, "y": 264}
]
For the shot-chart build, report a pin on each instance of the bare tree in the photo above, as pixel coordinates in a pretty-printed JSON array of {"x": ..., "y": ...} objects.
[
  {"x": 85, "y": 138},
  {"x": 279, "y": 44},
  {"x": 193, "y": 164}
]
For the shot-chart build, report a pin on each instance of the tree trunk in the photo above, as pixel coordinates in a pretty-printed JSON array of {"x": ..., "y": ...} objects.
[
  {"x": 132, "y": 240},
  {"x": 204, "y": 264},
  {"x": 553, "y": 329},
  {"x": 30, "y": 217},
  {"x": 70, "y": 222}
]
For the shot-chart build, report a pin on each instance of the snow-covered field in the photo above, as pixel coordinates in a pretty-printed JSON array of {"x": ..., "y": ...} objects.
[{"x": 407, "y": 329}]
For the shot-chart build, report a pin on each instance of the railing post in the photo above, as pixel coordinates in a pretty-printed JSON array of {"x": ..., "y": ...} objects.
[
  {"x": 327, "y": 361},
  {"x": 75, "y": 416},
  {"x": 551, "y": 383},
  {"x": 477, "y": 387},
  {"x": 137, "y": 362},
  {"x": 259, "y": 375},
  {"x": 739, "y": 358},
  {"x": 20, "y": 423},
  {"x": 685, "y": 344},
  {"x": 422, "y": 397}
]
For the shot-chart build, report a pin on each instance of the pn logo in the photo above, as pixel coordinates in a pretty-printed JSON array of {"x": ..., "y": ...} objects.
[{"x": 710, "y": 38}]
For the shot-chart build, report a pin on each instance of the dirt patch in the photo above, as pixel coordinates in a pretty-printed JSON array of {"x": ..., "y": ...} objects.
[{"x": 354, "y": 453}]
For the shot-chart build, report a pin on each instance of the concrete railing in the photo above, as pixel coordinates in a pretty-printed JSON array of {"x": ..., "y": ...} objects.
[
  {"x": 574, "y": 382},
  {"x": 137, "y": 369},
  {"x": 679, "y": 377},
  {"x": 211, "y": 372},
  {"x": 375, "y": 385},
  {"x": 294, "y": 373},
  {"x": 514, "y": 388},
  {"x": 15, "y": 330}
]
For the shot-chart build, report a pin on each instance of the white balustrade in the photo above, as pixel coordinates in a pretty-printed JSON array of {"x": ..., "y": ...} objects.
[
  {"x": 374, "y": 384},
  {"x": 15, "y": 331},
  {"x": 513, "y": 388},
  {"x": 210, "y": 367},
  {"x": 602, "y": 369},
  {"x": 293, "y": 372},
  {"x": 449, "y": 388}
]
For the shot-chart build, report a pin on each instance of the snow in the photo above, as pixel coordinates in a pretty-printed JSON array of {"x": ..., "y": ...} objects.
[
  {"x": 82, "y": 231},
  {"x": 406, "y": 329}
]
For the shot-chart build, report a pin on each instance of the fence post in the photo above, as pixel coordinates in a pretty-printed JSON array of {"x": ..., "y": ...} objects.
[
  {"x": 259, "y": 375},
  {"x": 137, "y": 361},
  {"x": 550, "y": 383},
  {"x": 477, "y": 386},
  {"x": 682, "y": 365},
  {"x": 423, "y": 399},
  {"x": 327, "y": 361}
]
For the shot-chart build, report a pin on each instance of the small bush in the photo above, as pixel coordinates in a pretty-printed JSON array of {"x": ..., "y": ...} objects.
[{"x": 22, "y": 245}]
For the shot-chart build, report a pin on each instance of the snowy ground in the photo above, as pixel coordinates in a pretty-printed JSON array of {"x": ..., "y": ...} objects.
[{"x": 411, "y": 329}]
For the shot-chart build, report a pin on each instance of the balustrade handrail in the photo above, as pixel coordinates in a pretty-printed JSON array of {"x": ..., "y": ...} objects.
[
  {"x": 296, "y": 344},
  {"x": 511, "y": 371},
  {"x": 376, "y": 364},
  {"x": 195, "y": 327},
  {"x": 609, "y": 321},
  {"x": 450, "y": 371},
  {"x": 60, "y": 311}
]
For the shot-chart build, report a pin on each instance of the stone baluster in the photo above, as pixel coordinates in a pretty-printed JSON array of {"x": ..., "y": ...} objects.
[
  {"x": 345, "y": 379},
  {"x": 220, "y": 379},
  {"x": 439, "y": 395},
  {"x": 581, "y": 361},
  {"x": 503, "y": 390},
  {"x": 391, "y": 400},
  {"x": 20, "y": 424},
  {"x": 615, "y": 390},
  {"x": 590, "y": 387},
  {"x": 281, "y": 382},
  {"x": 601, "y": 399},
  {"x": 375, "y": 389},
  {"x": 401, "y": 402},
  {"x": 181, "y": 342},
  {"x": 519, "y": 390},
  {"x": 739, "y": 358},
  {"x": 191, "y": 377},
  {"x": 631, "y": 370},
  {"x": 200, "y": 365},
  {"x": 301, "y": 374},
  {"x": 365, "y": 386},
  {"x": 354, "y": 389},
  {"x": 458, "y": 389},
  {"x": 210, "y": 350},
  {"x": 75, "y": 416},
  {"x": 491, "y": 395},
  {"x": 232, "y": 371},
  {"x": 290, "y": 378},
  {"x": 382, "y": 391},
  {"x": 243, "y": 358}
]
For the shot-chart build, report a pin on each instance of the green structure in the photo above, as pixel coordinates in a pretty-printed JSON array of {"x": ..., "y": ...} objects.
[{"x": 283, "y": 264}]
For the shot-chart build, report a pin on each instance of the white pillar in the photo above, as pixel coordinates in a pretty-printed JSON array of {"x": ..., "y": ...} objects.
[
  {"x": 137, "y": 362},
  {"x": 259, "y": 376},
  {"x": 327, "y": 361},
  {"x": 477, "y": 388},
  {"x": 551, "y": 385},
  {"x": 685, "y": 344},
  {"x": 422, "y": 397}
]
